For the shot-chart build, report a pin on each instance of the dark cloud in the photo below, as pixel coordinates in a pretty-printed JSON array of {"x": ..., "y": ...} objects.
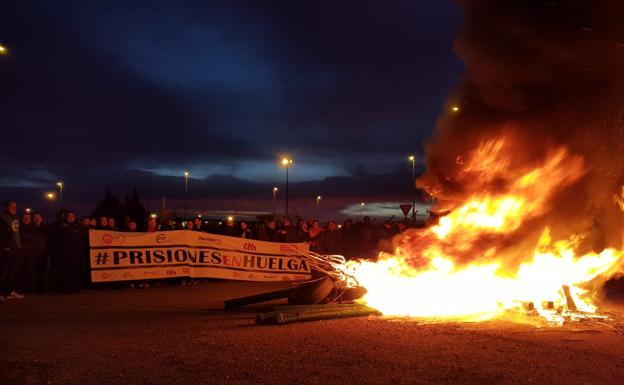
[{"x": 94, "y": 90}]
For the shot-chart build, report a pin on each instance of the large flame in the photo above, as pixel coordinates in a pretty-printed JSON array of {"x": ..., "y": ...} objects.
[{"x": 475, "y": 263}]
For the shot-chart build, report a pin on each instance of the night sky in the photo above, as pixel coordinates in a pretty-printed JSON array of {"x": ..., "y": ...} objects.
[{"x": 128, "y": 95}]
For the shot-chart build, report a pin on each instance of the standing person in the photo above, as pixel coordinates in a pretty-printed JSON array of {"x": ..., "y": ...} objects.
[
  {"x": 271, "y": 231},
  {"x": 10, "y": 245},
  {"x": 54, "y": 242},
  {"x": 288, "y": 234},
  {"x": 102, "y": 223},
  {"x": 198, "y": 224},
  {"x": 85, "y": 222},
  {"x": 348, "y": 238},
  {"x": 189, "y": 225},
  {"x": 302, "y": 231},
  {"x": 26, "y": 273},
  {"x": 152, "y": 225},
  {"x": 332, "y": 239},
  {"x": 261, "y": 232},
  {"x": 41, "y": 253},
  {"x": 69, "y": 265},
  {"x": 111, "y": 224},
  {"x": 245, "y": 231},
  {"x": 315, "y": 234},
  {"x": 131, "y": 226}
]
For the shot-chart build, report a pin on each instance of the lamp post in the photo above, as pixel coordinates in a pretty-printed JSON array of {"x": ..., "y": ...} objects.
[
  {"x": 286, "y": 162},
  {"x": 412, "y": 158},
  {"x": 186, "y": 175},
  {"x": 362, "y": 211},
  {"x": 60, "y": 186},
  {"x": 318, "y": 207},
  {"x": 50, "y": 196},
  {"x": 275, "y": 189}
]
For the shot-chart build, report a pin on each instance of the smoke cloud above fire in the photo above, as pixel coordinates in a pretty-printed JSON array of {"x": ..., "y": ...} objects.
[{"x": 544, "y": 82}]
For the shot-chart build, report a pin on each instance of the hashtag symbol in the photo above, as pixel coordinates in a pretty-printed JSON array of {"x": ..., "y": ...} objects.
[{"x": 101, "y": 258}]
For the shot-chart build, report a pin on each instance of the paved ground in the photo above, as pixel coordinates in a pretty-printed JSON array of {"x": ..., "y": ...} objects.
[{"x": 167, "y": 336}]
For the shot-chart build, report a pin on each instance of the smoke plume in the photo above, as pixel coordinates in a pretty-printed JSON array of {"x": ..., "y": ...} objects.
[{"x": 541, "y": 75}]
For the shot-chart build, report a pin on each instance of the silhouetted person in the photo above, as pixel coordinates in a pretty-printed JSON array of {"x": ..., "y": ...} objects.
[
  {"x": 102, "y": 223},
  {"x": 245, "y": 231},
  {"x": 332, "y": 239},
  {"x": 68, "y": 260},
  {"x": 41, "y": 253},
  {"x": 26, "y": 272},
  {"x": 288, "y": 233},
  {"x": 10, "y": 247}
]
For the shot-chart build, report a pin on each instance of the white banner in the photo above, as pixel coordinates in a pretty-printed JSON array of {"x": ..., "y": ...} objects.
[{"x": 117, "y": 256}]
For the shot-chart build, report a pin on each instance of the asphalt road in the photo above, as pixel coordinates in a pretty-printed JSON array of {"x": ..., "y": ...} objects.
[{"x": 170, "y": 336}]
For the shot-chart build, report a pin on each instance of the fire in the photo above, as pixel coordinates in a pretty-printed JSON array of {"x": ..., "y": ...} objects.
[{"x": 476, "y": 264}]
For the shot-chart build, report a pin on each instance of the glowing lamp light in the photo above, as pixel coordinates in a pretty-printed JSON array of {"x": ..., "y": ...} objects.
[
  {"x": 230, "y": 219},
  {"x": 3, "y": 50},
  {"x": 455, "y": 108},
  {"x": 412, "y": 158},
  {"x": 275, "y": 189},
  {"x": 286, "y": 162},
  {"x": 153, "y": 216},
  {"x": 28, "y": 210},
  {"x": 50, "y": 195}
]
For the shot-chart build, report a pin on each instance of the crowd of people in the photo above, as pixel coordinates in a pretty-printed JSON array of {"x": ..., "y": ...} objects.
[{"x": 35, "y": 257}]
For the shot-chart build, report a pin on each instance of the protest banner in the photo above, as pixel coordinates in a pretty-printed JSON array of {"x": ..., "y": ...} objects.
[{"x": 118, "y": 256}]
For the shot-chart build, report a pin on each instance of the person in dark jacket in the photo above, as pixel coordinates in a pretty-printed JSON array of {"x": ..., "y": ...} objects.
[
  {"x": 68, "y": 260},
  {"x": 271, "y": 231},
  {"x": 302, "y": 231},
  {"x": 332, "y": 239},
  {"x": 26, "y": 274},
  {"x": 41, "y": 253},
  {"x": 245, "y": 231},
  {"x": 288, "y": 233},
  {"x": 10, "y": 247}
]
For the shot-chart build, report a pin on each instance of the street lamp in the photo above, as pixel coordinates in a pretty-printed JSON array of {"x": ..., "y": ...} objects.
[
  {"x": 286, "y": 162},
  {"x": 412, "y": 158},
  {"x": 3, "y": 50},
  {"x": 318, "y": 207},
  {"x": 50, "y": 196},
  {"x": 60, "y": 186},
  {"x": 455, "y": 108},
  {"x": 362, "y": 211},
  {"x": 275, "y": 189},
  {"x": 186, "y": 175}
]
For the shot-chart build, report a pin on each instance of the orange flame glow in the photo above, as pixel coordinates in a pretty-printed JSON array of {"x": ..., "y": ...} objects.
[{"x": 466, "y": 265}]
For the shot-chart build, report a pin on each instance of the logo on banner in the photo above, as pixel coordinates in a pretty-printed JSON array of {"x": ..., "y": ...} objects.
[
  {"x": 212, "y": 240},
  {"x": 109, "y": 238},
  {"x": 107, "y": 275},
  {"x": 160, "y": 238},
  {"x": 249, "y": 246}
]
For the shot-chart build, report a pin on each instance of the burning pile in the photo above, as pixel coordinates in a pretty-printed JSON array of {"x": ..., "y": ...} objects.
[
  {"x": 475, "y": 263},
  {"x": 529, "y": 165}
]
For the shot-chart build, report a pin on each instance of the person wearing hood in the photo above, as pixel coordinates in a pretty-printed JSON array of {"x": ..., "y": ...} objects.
[{"x": 10, "y": 246}]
